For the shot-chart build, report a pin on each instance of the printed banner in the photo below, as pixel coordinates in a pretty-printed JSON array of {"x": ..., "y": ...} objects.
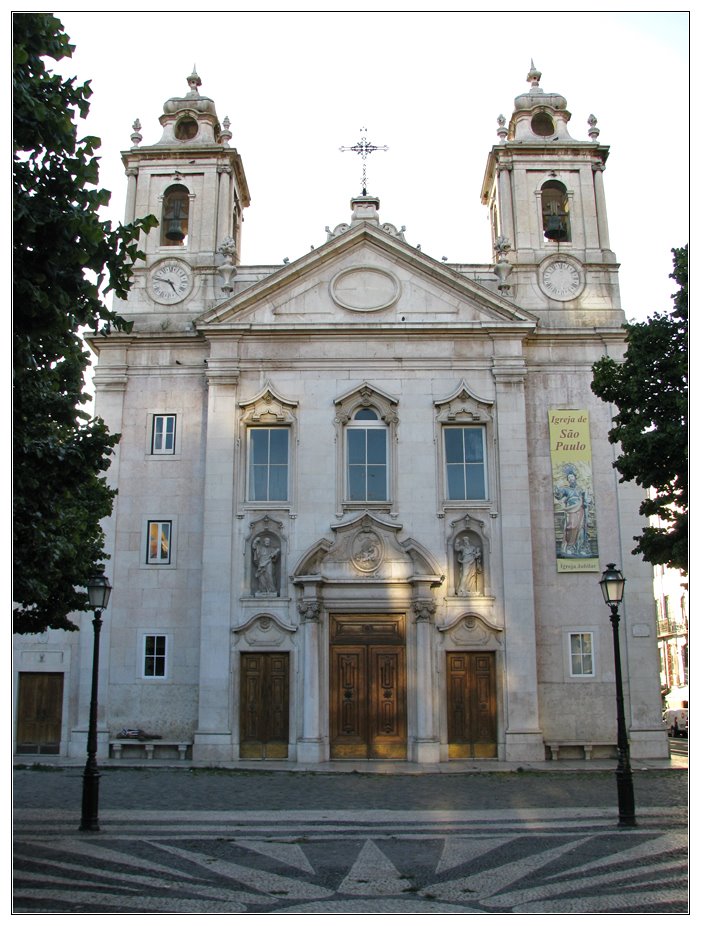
[{"x": 576, "y": 539}]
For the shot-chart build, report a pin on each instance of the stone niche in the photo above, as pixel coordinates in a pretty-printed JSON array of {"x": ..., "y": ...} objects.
[
  {"x": 468, "y": 559},
  {"x": 265, "y": 559}
]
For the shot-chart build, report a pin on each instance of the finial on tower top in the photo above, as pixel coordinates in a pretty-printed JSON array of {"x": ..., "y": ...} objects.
[
  {"x": 534, "y": 76},
  {"x": 194, "y": 82}
]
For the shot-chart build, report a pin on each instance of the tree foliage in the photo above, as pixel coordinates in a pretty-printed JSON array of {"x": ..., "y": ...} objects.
[
  {"x": 65, "y": 260},
  {"x": 650, "y": 390}
]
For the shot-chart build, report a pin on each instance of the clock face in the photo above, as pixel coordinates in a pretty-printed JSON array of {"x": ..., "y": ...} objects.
[
  {"x": 561, "y": 279},
  {"x": 170, "y": 281}
]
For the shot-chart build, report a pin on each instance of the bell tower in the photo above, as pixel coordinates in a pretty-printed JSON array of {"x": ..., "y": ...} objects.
[
  {"x": 545, "y": 194},
  {"x": 195, "y": 185}
]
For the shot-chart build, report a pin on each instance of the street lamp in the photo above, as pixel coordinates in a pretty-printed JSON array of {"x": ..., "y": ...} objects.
[
  {"x": 612, "y": 584},
  {"x": 99, "y": 590}
]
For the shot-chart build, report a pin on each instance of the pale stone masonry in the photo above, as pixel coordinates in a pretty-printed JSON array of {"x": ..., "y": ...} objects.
[{"x": 342, "y": 530}]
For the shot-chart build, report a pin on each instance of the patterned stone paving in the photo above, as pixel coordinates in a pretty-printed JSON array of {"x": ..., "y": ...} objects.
[{"x": 503, "y": 861}]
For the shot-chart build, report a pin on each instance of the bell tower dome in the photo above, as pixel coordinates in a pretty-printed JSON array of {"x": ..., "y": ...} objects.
[
  {"x": 545, "y": 194},
  {"x": 195, "y": 185}
]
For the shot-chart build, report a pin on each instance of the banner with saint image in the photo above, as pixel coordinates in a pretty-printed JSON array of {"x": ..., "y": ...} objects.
[{"x": 576, "y": 538}]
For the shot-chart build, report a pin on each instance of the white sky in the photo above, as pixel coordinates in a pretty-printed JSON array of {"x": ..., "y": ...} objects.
[{"x": 296, "y": 86}]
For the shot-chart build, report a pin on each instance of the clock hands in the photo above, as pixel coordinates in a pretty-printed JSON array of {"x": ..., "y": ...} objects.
[{"x": 166, "y": 280}]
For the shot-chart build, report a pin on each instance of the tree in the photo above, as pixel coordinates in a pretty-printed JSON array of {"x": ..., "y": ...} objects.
[
  {"x": 65, "y": 260},
  {"x": 650, "y": 390}
]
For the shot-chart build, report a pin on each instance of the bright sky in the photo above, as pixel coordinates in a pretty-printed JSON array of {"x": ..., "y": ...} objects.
[{"x": 298, "y": 86}]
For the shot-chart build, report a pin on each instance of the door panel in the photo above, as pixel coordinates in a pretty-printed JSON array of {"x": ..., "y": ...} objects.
[
  {"x": 471, "y": 690},
  {"x": 265, "y": 711},
  {"x": 367, "y": 700},
  {"x": 39, "y": 713},
  {"x": 387, "y": 703}
]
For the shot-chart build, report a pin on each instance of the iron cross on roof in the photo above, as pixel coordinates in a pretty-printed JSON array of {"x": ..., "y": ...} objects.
[{"x": 364, "y": 148}]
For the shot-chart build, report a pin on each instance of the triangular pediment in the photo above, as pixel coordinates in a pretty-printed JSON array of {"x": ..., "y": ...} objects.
[{"x": 365, "y": 278}]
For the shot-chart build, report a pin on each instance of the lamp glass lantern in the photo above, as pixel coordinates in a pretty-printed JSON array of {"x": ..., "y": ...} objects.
[
  {"x": 99, "y": 590},
  {"x": 612, "y": 584}
]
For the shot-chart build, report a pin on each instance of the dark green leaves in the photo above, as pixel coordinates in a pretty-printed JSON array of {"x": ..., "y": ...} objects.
[
  {"x": 65, "y": 260},
  {"x": 650, "y": 391}
]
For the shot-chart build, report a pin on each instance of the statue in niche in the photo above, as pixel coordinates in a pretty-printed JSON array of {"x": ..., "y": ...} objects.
[
  {"x": 265, "y": 554},
  {"x": 469, "y": 572}
]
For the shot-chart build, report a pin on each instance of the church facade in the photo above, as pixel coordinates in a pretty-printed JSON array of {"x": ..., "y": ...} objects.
[{"x": 365, "y": 497}]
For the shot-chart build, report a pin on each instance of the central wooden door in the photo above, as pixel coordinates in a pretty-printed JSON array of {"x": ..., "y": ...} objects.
[
  {"x": 39, "y": 713},
  {"x": 368, "y": 689},
  {"x": 472, "y": 710},
  {"x": 265, "y": 708}
]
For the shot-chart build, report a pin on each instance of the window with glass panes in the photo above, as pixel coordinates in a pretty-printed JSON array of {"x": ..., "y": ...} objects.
[
  {"x": 158, "y": 542},
  {"x": 581, "y": 654},
  {"x": 268, "y": 464},
  {"x": 154, "y": 655},
  {"x": 465, "y": 463},
  {"x": 163, "y": 437},
  {"x": 366, "y": 455}
]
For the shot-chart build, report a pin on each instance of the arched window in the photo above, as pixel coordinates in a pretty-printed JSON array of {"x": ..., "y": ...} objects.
[
  {"x": 176, "y": 212},
  {"x": 366, "y": 457},
  {"x": 556, "y": 219}
]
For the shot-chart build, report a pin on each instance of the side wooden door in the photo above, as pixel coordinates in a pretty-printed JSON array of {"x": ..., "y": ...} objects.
[
  {"x": 39, "y": 713},
  {"x": 472, "y": 708},
  {"x": 265, "y": 705}
]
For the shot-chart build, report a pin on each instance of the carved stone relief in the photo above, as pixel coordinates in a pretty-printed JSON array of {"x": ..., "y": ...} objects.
[{"x": 473, "y": 631}]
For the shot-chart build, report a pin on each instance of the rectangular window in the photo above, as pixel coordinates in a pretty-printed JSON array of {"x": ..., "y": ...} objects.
[
  {"x": 163, "y": 435},
  {"x": 581, "y": 654},
  {"x": 154, "y": 655},
  {"x": 465, "y": 457},
  {"x": 367, "y": 464},
  {"x": 158, "y": 542},
  {"x": 268, "y": 464}
]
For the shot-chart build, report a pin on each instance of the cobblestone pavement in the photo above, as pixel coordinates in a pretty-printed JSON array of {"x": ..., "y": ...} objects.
[{"x": 233, "y": 841}]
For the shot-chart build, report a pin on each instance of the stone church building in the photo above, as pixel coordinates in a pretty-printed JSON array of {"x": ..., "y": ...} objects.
[{"x": 366, "y": 496}]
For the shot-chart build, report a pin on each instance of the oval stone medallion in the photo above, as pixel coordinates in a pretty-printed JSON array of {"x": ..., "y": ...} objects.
[{"x": 364, "y": 289}]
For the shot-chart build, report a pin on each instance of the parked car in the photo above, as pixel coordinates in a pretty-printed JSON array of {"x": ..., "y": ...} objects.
[{"x": 677, "y": 721}]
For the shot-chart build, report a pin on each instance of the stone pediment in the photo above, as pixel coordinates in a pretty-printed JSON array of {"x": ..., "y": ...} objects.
[
  {"x": 364, "y": 278},
  {"x": 367, "y": 549}
]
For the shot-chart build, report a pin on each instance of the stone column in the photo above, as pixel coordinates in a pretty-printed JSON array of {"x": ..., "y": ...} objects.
[
  {"x": 600, "y": 201},
  {"x": 506, "y": 208},
  {"x": 130, "y": 208},
  {"x": 224, "y": 205},
  {"x": 310, "y": 747},
  {"x": 523, "y": 736},
  {"x": 213, "y": 739},
  {"x": 427, "y": 747}
]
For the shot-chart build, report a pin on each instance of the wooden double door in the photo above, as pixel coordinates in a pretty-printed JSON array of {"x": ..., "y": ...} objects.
[
  {"x": 367, "y": 701},
  {"x": 265, "y": 705},
  {"x": 39, "y": 713},
  {"x": 472, "y": 707}
]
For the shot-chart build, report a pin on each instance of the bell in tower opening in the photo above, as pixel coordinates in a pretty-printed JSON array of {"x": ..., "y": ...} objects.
[{"x": 176, "y": 207}]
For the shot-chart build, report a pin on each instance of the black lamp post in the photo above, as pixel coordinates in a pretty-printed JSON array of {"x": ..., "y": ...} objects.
[
  {"x": 612, "y": 584},
  {"x": 99, "y": 589}
]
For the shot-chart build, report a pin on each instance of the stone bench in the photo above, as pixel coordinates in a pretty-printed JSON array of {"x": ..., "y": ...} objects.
[
  {"x": 149, "y": 747},
  {"x": 556, "y": 745}
]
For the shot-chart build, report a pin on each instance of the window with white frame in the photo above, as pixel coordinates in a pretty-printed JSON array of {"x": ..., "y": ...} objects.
[
  {"x": 155, "y": 654},
  {"x": 158, "y": 542},
  {"x": 268, "y": 464},
  {"x": 163, "y": 434},
  {"x": 581, "y": 651},
  {"x": 465, "y": 463},
  {"x": 366, "y": 457}
]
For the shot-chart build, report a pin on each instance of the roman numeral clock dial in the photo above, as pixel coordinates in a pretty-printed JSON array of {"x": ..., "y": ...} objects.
[{"x": 170, "y": 281}]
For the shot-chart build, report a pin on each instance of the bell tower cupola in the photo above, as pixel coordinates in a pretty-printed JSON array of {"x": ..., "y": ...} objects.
[
  {"x": 549, "y": 227},
  {"x": 193, "y": 181}
]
